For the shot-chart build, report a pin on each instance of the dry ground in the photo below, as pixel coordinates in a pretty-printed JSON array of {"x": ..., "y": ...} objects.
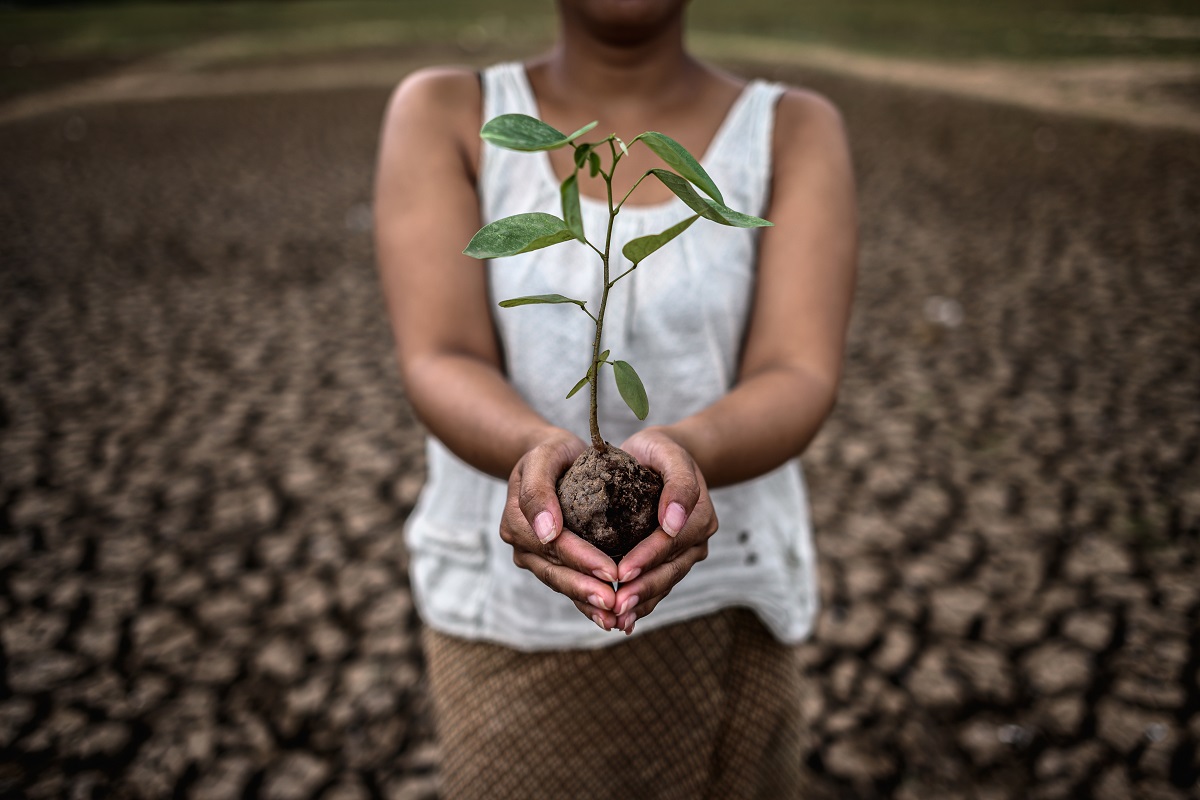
[{"x": 206, "y": 459}]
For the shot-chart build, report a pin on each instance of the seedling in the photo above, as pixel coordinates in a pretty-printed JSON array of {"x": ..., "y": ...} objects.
[{"x": 607, "y": 497}]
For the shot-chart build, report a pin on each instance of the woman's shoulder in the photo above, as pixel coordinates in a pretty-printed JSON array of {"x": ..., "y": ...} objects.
[
  {"x": 444, "y": 101},
  {"x": 807, "y": 114},
  {"x": 448, "y": 90},
  {"x": 445, "y": 95},
  {"x": 807, "y": 125},
  {"x": 802, "y": 116},
  {"x": 439, "y": 86}
]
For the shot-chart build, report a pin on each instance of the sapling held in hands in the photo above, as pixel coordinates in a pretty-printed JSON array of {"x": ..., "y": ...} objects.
[{"x": 606, "y": 496}]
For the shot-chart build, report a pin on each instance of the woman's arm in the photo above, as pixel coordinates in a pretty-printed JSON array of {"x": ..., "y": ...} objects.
[
  {"x": 792, "y": 355},
  {"x": 426, "y": 210}
]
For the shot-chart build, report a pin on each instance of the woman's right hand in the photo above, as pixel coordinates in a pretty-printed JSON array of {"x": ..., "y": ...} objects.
[{"x": 533, "y": 525}]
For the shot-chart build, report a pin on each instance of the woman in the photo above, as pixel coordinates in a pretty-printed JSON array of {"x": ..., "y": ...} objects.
[{"x": 738, "y": 336}]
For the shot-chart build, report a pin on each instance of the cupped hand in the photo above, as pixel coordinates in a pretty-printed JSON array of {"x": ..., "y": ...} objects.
[
  {"x": 532, "y": 523},
  {"x": 686, "y": 521}
]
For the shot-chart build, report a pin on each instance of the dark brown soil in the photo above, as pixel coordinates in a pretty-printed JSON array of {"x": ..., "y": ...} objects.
[{"x": 610, "y": 500}]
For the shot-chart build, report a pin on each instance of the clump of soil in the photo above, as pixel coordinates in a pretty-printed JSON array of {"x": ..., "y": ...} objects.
[{"x": 610, "y": 500}]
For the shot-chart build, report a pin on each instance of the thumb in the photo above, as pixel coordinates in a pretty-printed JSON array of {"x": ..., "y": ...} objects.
[
  {"x": 681, "y": 485},
  {"x": 536, "y": 491}
]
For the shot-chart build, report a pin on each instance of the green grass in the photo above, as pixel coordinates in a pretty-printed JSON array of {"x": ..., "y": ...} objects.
[{"x": 51, "y": 40}]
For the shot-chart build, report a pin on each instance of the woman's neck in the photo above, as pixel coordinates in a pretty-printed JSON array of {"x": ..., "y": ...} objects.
[{"x": 648, "y": 67}]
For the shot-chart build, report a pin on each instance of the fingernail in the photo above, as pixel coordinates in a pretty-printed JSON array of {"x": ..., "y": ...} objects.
[
  {"x": 629, "y": 624},
  {"x": 633, "y": 573},
  {"x": 603, "y": 575},
  {"x": 543, "y": 526},
  {"x": 674, "y": 519},
  {"x": 598, "y": 601},
  {"x": 599, "y": 620},
  {"x": 630, "y": 602}
]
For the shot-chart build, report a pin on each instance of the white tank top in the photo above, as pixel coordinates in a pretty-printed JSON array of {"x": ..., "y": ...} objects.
[{"x": 679, "y": 319}]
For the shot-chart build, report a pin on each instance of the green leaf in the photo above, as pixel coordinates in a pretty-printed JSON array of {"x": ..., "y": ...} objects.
[
  {"x": 631, "y": 389},
  {"x": 581, "y": 155},
  {"x": 540, "y": 299},
  {"x": 684, "y": 191},
  {"x": 594, "y": 163},
  {"x": 621, "y": 144},
  {"x": 518, "y": 234},
  {"x": 572, "y": 137},
  {"x": 637, "y": 249},
  {"x": 582, "y": 383},
  {"x": 709, "y": 209},
  {"x": 570, "y": 206},
  {"x": 736, "y": 219},
  {"x": 526, "y": 133},
  {"x": 584, "y": 380},
  {"x": 679, "y": 159}
]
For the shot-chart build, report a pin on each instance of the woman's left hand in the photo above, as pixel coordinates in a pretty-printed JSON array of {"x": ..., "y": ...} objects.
[{"x": 686, "y": 521}]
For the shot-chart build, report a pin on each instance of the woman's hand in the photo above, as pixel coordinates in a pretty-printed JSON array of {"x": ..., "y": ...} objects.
[
  {"x": 533, "y": 525},
  {"x": 686, "y": 521}
]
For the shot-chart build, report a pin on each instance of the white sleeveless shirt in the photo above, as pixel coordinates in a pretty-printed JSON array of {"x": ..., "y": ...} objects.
[{"x": 679, "y": 318}]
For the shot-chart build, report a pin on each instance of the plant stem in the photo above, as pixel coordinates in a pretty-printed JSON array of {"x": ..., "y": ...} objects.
[
  {"x": 597, "y": 439},
  {"x": 613, "y": 282},
  {"x": 631, "y": 188}
]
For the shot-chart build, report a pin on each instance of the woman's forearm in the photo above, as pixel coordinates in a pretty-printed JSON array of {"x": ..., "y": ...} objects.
[
  {"x": 763, "y": 422},
  {"x": 795, "y": 341},
  {"x": 469, "y": 405}
]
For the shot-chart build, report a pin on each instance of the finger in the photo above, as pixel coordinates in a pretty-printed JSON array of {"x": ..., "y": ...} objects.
[
  {"x": 582, "y": 555},
  {"x": 681, "y": 485},
  {"x": 659, "y": 547},
  {"x": 626, "y": 621},
  {"x": 581, "y": 588},
  {"x": 643, "y": 609},
  {"x": 640, "y": 596},
  {"x": 533, "y": 517},
  {"x": 567, "y": 549},
  {"x": 571, "y": 550},
  {"x": 605, "y": 620},
  {"x": 647, "y": 554},
  {"x": 536, "y": 492},
  {"x": 536, "y": 498}
]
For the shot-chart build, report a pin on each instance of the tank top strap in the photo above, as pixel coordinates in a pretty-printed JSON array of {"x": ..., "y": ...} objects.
[
  {"x": 743, "y": 144},
  {"x": 506, "y": 90}
]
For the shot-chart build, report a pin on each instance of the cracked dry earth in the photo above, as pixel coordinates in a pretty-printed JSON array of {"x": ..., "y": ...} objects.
[{"x": 207, "y": 458}]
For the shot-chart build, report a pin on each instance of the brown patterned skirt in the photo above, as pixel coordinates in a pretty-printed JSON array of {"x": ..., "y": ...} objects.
[{"x": 707, "y": 708}]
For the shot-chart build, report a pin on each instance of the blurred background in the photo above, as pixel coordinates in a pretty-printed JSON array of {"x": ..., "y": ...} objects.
[{"x": 206, "y": 456}]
